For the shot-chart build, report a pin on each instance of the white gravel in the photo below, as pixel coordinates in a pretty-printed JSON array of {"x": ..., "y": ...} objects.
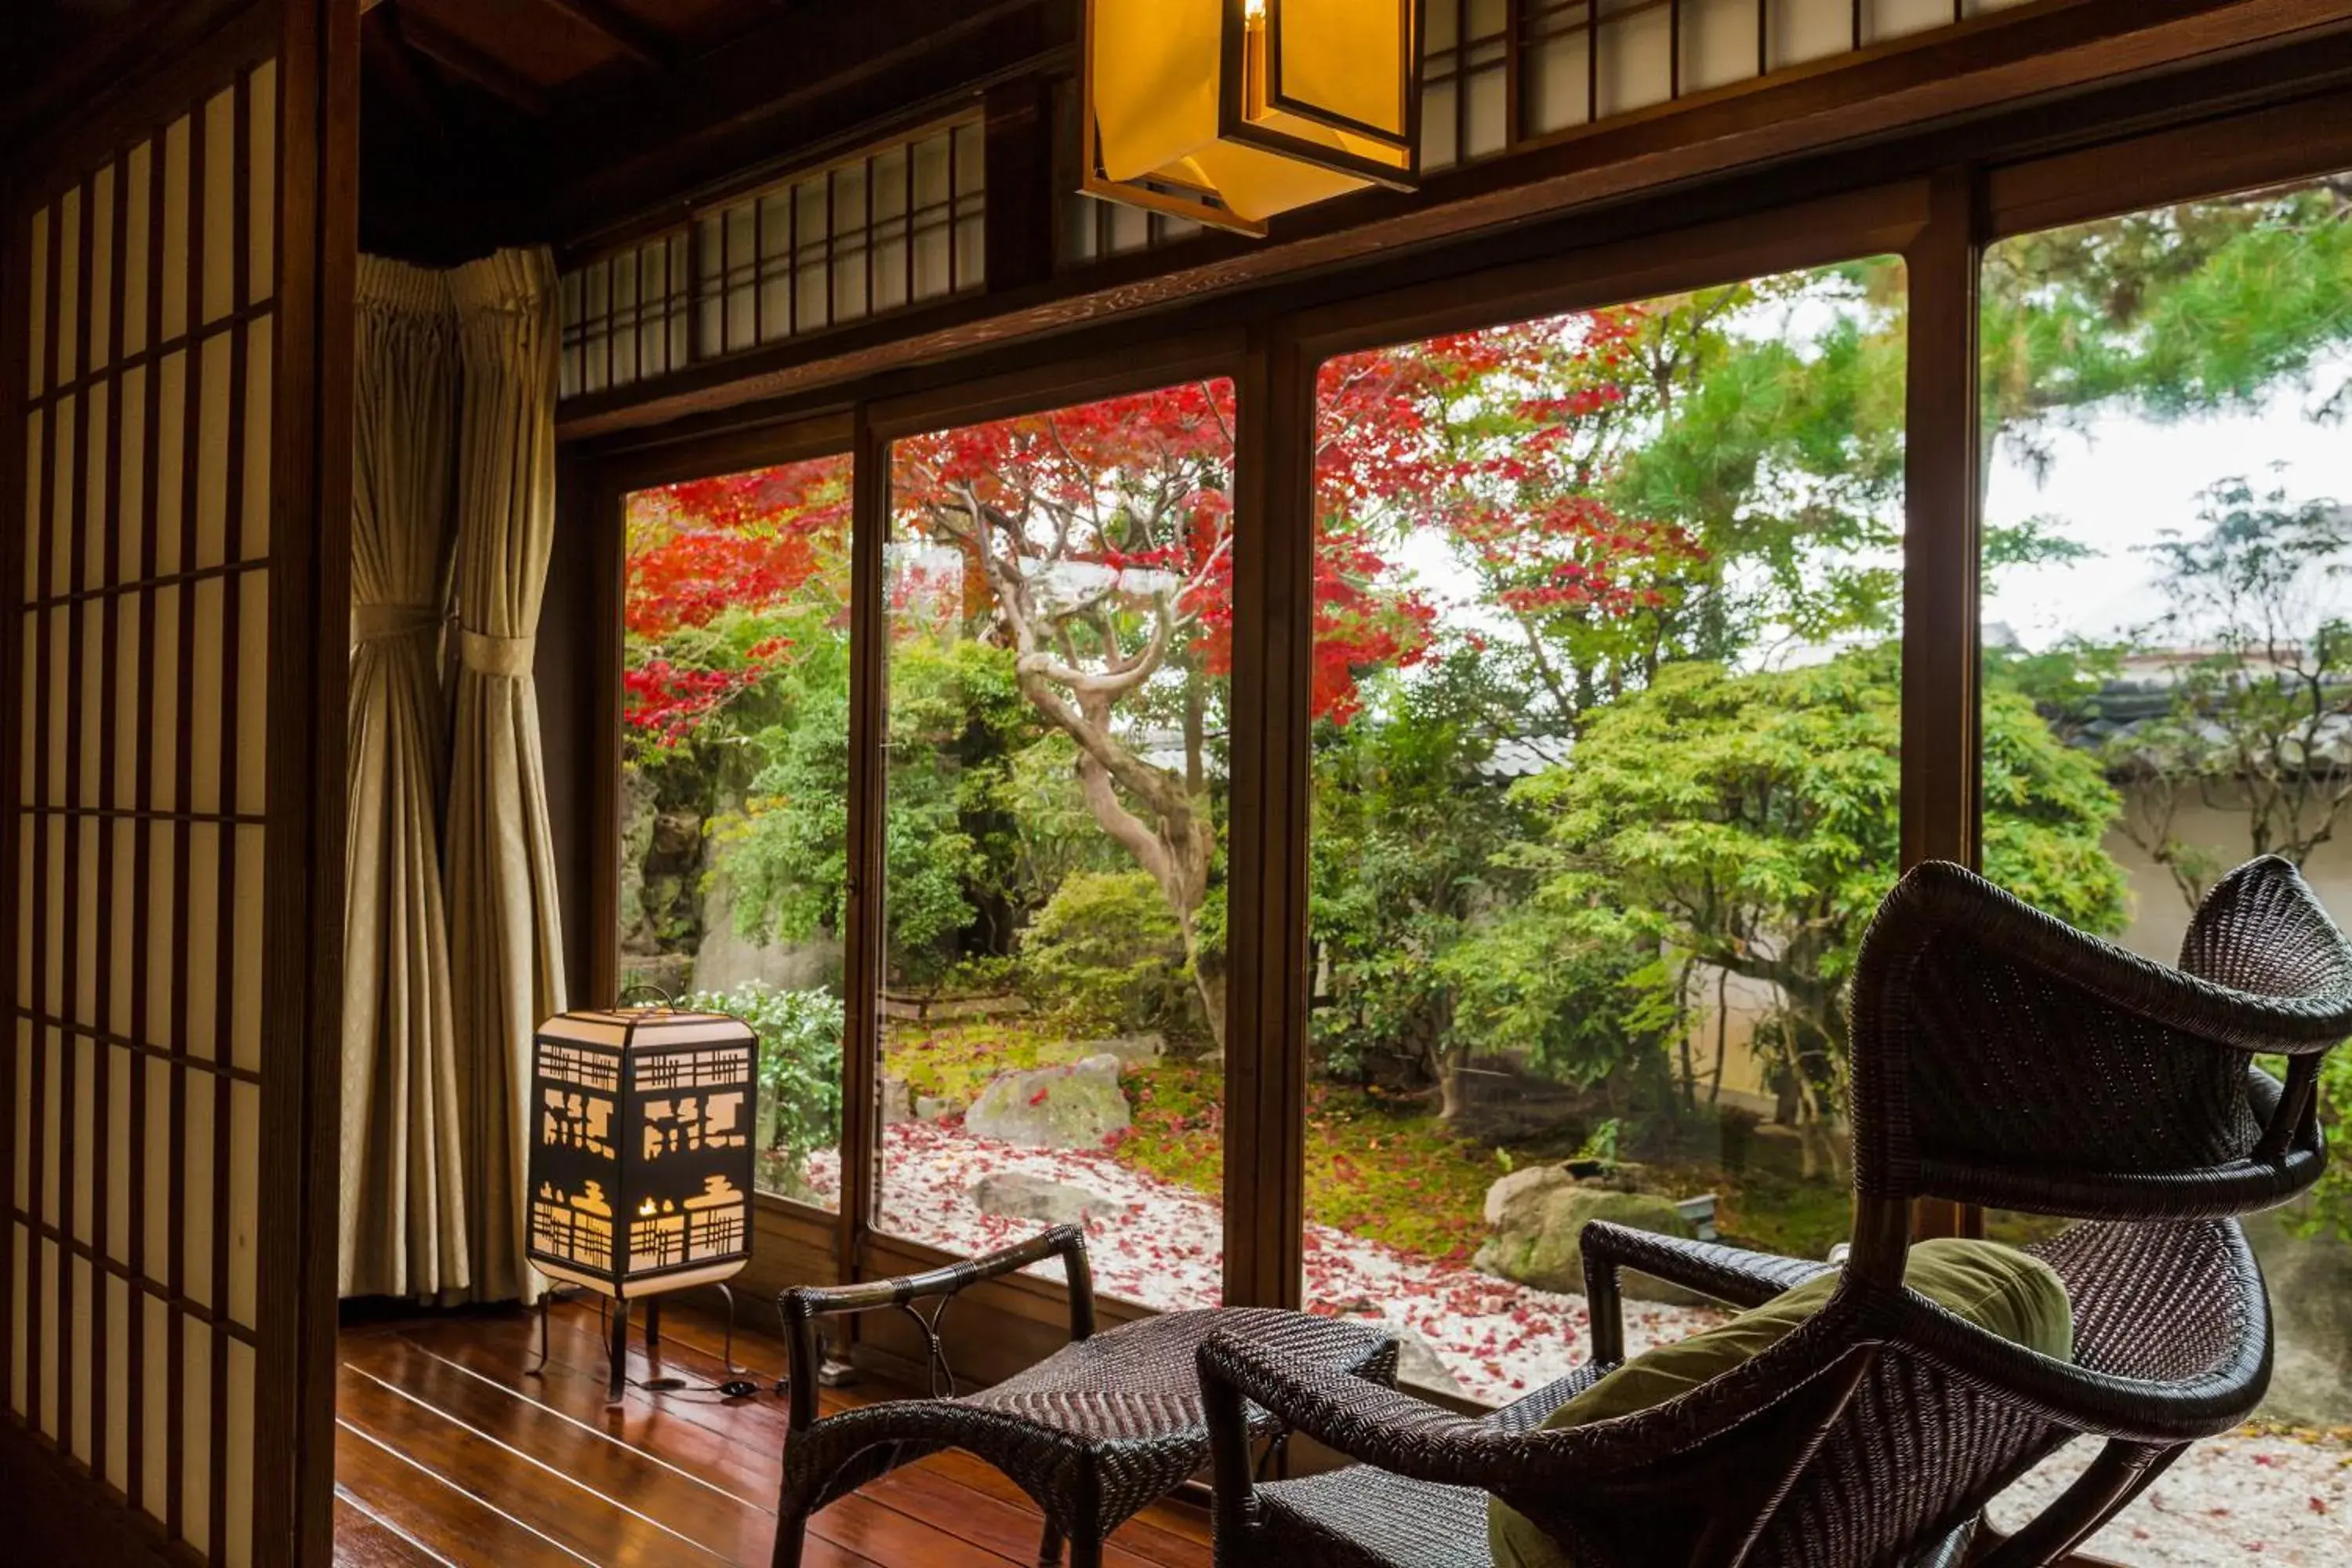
[
  {"x": 2253, "y": 1498},
  {"x": 1165, "y": 1252},
  {"x": 2247, "y": 1499}
]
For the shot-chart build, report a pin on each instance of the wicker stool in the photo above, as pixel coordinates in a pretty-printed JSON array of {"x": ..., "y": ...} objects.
[{"x": 1096, "y": 1431}]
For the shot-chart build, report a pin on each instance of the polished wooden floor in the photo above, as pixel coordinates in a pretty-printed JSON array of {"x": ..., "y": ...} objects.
[{"x": 448, "y": 1449}]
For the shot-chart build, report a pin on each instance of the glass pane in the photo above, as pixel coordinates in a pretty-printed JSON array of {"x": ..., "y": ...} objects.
[
  {"x": 735, "y": 781},
  {"x": 2168, "y": 612},
  {"x": 1060, "y": 612},
  {"x": 1607, "y": 698}
]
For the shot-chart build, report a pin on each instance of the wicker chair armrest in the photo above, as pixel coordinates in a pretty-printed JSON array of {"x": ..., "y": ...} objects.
[
  {"x": 801, "y": 1307},
  {"x": 1366, "y": 1421},
  {"x": 1732, "y": 1274},
  {"x": 1066, "y": 1241}
]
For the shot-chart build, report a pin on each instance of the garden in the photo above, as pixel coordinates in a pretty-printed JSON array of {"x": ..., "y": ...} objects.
[{"x": 1607, "y": 702}]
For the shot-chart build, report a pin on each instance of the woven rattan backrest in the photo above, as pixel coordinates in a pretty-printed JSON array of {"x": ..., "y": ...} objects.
[{"x": 2002, "y": 1056}]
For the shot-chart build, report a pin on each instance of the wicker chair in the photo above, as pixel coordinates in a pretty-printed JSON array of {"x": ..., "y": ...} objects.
[
  {"x": 1093, "y": 1433},
  {"x": 2001, "y": 1059}
]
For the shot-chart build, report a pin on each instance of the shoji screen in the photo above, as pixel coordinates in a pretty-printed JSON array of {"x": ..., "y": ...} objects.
[{"x": 139, "y": 690}]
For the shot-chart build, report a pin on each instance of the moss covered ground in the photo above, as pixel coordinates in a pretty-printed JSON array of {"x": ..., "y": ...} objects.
[{"x": 1381, "y": 1167}]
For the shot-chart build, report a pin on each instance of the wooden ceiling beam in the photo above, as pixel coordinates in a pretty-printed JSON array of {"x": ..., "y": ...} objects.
[
  {"x": 620, "y": 29},
  {"x": 463, "y": 59},
  {"x": 779, "y": 90}
]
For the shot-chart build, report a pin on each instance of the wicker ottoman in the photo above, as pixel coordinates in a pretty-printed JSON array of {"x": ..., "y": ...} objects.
[{"x": 1094, "y": 1433}]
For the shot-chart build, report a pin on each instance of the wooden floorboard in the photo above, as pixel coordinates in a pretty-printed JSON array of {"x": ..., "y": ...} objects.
[{"x": 454, "y": 1447}]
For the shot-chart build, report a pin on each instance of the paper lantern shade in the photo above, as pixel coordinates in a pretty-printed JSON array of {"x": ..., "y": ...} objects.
[
  {"x": 641, "y": 1149},
  {"x": 1229, "y": 112}
]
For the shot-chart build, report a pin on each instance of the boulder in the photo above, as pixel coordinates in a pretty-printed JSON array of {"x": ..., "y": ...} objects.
[
  {"x": 1538, "y": 1224},
  {"x": 898, "y": 1102},
  {"x": 1520, "y": 1187},
  {"x": 1072, "y": 1107},
  {"x": 936, "y": 1107},
  {"x": 1016, "y": 1196},
  {"x": 1418, "y": 1364},
  {"x": 1132, "y": 1050}
]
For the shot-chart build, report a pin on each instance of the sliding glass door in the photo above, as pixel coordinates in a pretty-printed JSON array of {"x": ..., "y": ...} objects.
[{"x": 1058, "y": 608}]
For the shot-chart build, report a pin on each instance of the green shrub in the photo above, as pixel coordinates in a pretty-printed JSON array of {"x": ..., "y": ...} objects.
[
  {"x": 800, "y": 1067},
  {"x": 1105, "y": 956}
]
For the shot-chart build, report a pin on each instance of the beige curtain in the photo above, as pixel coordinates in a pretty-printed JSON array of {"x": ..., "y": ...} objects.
[
  {"x": 404, "y": 1171},
  {"x": 505, "y": 931}
]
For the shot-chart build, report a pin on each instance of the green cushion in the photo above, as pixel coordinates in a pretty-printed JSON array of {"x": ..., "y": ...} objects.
[{"x": 1998, "y": 1289}]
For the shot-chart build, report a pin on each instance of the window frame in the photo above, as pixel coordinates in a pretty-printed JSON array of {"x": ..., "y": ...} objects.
[{"x": 1272, "y": 346}]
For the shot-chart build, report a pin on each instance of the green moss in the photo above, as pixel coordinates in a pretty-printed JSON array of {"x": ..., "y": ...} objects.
[
  {"x": 1389, "y": 1170},
  {"x": 957, "y": 1060},
  {"x": 1380, "y": 1167}
]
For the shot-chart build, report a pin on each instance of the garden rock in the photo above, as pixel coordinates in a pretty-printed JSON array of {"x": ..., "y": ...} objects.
[
  {"x": 1053, "y": 1108},
  {"x": 898, "y": 1102},
  {"x": 1132, "y": 1050},
  {"x": 936, "y": 1107},
  {"x": 1017, "y": 1196},
  {"x": 1520, "y": 1187},
  {"x": 1537, "y": 1225},
  {"x": 1418, "y": 1364}
]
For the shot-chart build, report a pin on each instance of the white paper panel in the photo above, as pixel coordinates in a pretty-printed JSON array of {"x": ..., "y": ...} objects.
[
  {"x": 173, "y": 273},
  {"x": 261, "y": 93},
  {"x": 123, "y": 1066},
  {"x": 53, "y": 1117},
  {"x": 243, "y": 1200},
  {"x": 131, "y": 474},
  {"x": 213, "y": 452},
  {"x": 138, "y": 242},
  {"x": 84, "y": 1133},
  {"x": 118, "y": 1383},
  {"x": 154, "y": 1405},
  {"x": 260, "y": 387},
  {"x": 36, "y": 435},
  {"x": 122, "y": 988},
  {"x": 246, "y": 970},
  {"x": 45, "y": 1366},
  {"x": 236, "y": 1529},
  {"x": 156, "y": 1202},
  {"x": 20, "y": 1287},
  {"x": 101, "y": 269},
  {"x": 80, "y": 1291},
  {"x": 198, "y": 1211},
  {"x": 206, "y": 710},
  {"x": 129, "y": 722},
  {"x": 195, "y": 1433},
  {"x": 67, "y": 345},
  {"x": 252, "y": 694},
  {"x": 162, "y": 939},
  {"x": 201, "y": 940},
  {"x": 21, "y": 1111},
  {"x": 220, "y": 236},
  {"x": 163, "y": 714},
  {"x": 65, "y": 416},
  {"x": 36, "y": 376},
  {"x": 171, "y": 459}
]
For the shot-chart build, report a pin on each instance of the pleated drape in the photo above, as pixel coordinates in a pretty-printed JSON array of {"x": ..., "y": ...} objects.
[
  {"x": 404, "y": 1158},
  {"x": 505, "y": 930}
]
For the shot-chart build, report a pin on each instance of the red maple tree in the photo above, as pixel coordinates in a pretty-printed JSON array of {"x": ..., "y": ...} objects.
[{"x": 1096, "y": 544}]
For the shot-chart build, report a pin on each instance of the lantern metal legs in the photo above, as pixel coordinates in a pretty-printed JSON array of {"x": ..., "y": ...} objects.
[
  {"x": 613, "y": 1317},
  {"x": 616, "y": 1375}
]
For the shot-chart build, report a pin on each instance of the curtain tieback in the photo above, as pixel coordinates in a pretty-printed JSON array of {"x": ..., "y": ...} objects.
[
  {"x": 382, "y": 623},
  {"x": 508, "y": 656}
]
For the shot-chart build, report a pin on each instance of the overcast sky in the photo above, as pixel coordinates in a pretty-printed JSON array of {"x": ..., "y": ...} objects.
[{"x": 2126, "y": 479}]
